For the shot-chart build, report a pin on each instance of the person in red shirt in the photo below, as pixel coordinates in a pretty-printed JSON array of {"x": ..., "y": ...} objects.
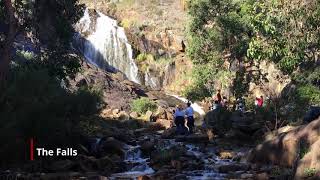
[{"x": 259, "y": 101}]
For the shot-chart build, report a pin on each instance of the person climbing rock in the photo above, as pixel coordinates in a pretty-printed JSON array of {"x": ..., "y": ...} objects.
[
  {"x": 190, "y": 119},
  {"x": 179, "y": 115}
]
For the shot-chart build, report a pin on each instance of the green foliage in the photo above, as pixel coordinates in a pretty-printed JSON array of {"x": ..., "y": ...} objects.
[
  {"x": 283, "y": 32},
  {"x": 304, "y": 149},
  {"x": 25, "y": 55},
  {"x": 61, "y": 15},
  {"x": 310, "y": 172},
  {"x": 34, "y": 104},
  {"x": 308, "y": 94},
  {"x": 144, "y": 57},
  {"x": 204, "y": 78},
  {"x": 142, "y": 105}
]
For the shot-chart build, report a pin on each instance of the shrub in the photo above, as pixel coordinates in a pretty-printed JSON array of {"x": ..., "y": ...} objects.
[
  {"x": 309, "y": 94},
  {"x": 144, "y": 57},
  {"x": 34, "y": 104},
  {"x": 142, "y": 105},
  {"x": 310, "y": 172}
]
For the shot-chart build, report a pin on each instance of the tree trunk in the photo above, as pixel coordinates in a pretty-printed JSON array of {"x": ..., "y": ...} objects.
[{"x": 6, "y": 51}]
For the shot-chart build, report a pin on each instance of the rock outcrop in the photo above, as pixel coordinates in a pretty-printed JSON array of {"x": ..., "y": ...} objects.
[
  {"x": 297, "y": 148},
  {"x": 117, "y": 92}
]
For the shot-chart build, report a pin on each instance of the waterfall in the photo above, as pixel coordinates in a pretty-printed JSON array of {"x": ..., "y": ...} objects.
[
  {"x": 105, "y": 45},
  {"x": 196, "y": 107}
]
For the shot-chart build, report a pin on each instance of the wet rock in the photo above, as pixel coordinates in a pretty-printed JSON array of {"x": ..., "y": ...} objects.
[
  {"x": 145, "y": 177},
  {"x": 87, "y": 163},
  {"x": 193, "y": 138},
  {"x": 112, "y": 146},
  {"x": 63, "y": 165},
  {"x": 169, "y": 133},
  {"x": 105, "y": 163},
  {"x": 49, "y": 176},
  {"x": 179, "y": 177},
  {"x": 261, "y": 176},
  {"x": 147, "y": 146},
  {"x": 233, "y": 167},
  {"x": 246, "y": 176},
  {"x": 226, "y": 154},
  {"x": 176, "y": 164}
]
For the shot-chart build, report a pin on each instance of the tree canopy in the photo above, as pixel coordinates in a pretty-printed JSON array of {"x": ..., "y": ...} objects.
[{"x": 247, "y": 31}]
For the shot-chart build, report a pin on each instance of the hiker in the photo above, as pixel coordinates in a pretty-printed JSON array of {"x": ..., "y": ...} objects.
[
  {"x": 224, "y": 101},
  {"x": 179, "y": 119},
  {"x": 216, "y": 105},
  {"x": 259, "y": 101},
  {"x": 240, "y": 105},
  {"x": 218, "y": 96},
  {"x": 190, "y": 119}
]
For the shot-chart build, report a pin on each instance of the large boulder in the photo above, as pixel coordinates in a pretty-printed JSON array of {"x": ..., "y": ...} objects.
[
  {"x": 112, "y": 146},
  {"x": 284, "y": 149},
  {"x": 169, "y": 133},
  {"x": 218, "y": 120},
  {"x": 309, "y": 165},
  {"x": 164, "y": 123}
]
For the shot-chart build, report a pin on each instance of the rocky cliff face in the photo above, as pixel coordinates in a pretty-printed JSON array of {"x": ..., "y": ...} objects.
[
  {"x": 157, "y": 28},
  {"x": 154, "y": 28}
]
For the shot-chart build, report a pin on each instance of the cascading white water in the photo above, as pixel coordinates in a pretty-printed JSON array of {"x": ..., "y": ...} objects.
[
  {"x": 107, "y": 46},
  {"x": 196, "y": 107},
  {"x": 133, "y": 155}
]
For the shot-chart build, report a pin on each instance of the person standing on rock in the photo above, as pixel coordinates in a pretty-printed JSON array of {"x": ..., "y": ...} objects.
[
  {"x": 190, "y": 118},
  {"x": 179, "y": 119},
  {"x": 259, "y": 101},
  {"x": 218, "y": 97}
]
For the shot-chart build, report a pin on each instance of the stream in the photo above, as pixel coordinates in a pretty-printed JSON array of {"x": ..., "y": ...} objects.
[{"x": 138, "y": 165}]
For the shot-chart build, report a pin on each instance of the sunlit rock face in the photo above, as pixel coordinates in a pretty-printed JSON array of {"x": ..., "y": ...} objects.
[{"x": 105, "y": 44}]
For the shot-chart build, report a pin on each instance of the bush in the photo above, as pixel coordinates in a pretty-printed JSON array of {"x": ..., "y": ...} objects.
[
  {"x": 144, "y": 57},
  {"x": 310, "y": 172},
  {"x": 309, "y": 94},
  {"x": 34, "y": 104},
  {"x": 142, "y": 105}
]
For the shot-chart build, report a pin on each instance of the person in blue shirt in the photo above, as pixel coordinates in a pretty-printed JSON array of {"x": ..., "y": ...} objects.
[
  {"x": 179, "y": 115},
  {"x": 190, "y": 118}
]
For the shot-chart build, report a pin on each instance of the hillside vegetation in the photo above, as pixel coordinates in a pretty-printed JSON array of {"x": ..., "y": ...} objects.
[{"x": 226, "y": 36}]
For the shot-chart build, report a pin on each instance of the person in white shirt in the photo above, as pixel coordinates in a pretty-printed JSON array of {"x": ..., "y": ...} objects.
[
  {"x": 179, "y": 119},
  {"x": 190, "y": 118}
]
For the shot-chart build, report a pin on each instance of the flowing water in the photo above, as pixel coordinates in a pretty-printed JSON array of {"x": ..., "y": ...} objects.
[
  {"x": 138, "y": 166},
  {"x": 105, "y": 45}
]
